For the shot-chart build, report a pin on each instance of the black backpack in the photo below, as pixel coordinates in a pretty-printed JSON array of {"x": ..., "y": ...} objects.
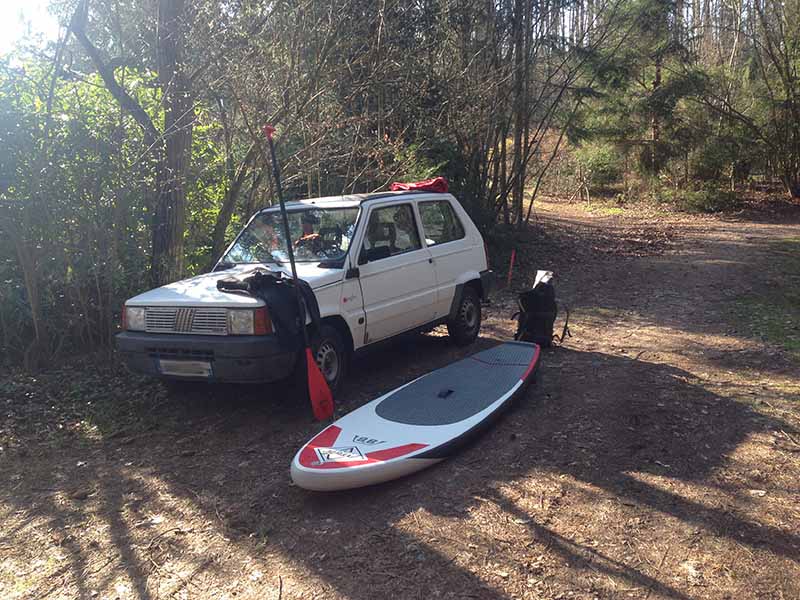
[
  {"x": 279, "y": 295},
  {"x": 537, "y": 314}
]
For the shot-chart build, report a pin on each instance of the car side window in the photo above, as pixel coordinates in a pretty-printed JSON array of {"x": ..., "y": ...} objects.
[
  {"x": 391, "y": 230},
  {"x": 440, "y": 222}
]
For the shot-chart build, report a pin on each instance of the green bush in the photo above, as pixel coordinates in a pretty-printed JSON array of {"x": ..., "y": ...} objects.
[
  {"x": 722, "y": 158},
  {"x": 708, "y": 199},
  {"x": 601, "y": 162}
]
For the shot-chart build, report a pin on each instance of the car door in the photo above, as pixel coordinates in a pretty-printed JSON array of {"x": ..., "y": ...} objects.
[
  {"x": 398, "y": 283},
  {"x": 447, "y": 242}
]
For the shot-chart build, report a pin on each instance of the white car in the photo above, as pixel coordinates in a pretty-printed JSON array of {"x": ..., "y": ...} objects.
[{"x": 379, "y": 265}]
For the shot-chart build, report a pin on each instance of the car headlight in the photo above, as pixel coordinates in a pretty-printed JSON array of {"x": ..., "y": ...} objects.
[
  {"x": 134, "y": 318},
  {"x": 249, "y": 321},
  {"x": 240, "y": 322}
]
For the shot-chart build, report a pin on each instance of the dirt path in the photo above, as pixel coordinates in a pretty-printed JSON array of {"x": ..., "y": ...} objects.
[{"x": 658, "y": 456}]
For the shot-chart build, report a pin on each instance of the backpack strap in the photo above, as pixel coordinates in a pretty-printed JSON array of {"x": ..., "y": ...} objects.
[
  {"x": 517, "y": 317},
  {"x": 565, "y": 333}
]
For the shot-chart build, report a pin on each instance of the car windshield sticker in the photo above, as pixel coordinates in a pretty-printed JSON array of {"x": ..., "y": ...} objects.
[{"x": 339, "y": 454}]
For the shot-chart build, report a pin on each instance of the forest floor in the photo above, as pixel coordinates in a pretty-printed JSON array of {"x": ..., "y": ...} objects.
[{"x": 658, "y": 456}]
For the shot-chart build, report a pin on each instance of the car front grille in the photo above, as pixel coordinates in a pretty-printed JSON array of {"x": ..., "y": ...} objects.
[{"x": 199, "y": 321}]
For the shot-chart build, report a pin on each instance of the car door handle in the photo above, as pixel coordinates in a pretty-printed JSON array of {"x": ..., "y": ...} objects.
[{"x": 430, "y": 260}]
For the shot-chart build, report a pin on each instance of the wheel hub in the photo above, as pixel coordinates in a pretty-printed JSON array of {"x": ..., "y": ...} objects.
[
  {"x": 469, "y": 313},
  {"x": 328, "y": 360}
]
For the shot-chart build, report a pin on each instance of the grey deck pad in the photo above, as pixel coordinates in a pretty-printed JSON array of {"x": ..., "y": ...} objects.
[{"x": 460, "y": 390}]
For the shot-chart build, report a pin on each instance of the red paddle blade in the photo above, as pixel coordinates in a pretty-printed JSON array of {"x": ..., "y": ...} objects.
[{"x": 318, "y": 390}]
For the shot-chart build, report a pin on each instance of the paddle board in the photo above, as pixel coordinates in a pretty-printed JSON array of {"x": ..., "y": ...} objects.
[{"x": 418, "y": 424}]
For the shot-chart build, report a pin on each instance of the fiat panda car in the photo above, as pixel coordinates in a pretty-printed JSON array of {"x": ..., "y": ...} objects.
[{"x": 379, "y": 265}]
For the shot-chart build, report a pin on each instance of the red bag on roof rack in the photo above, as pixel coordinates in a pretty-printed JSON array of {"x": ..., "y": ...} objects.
[{"x": 437, "y": 184}]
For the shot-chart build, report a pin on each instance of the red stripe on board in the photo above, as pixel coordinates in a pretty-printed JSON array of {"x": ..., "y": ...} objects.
[
  {"x": 369, "y": 458},
  {"x": 533, "y": 363},
  {"x": 325, "y": 439}
]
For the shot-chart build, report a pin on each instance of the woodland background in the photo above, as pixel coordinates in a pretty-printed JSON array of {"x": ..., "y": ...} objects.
[{"x": 131, "y": 152}]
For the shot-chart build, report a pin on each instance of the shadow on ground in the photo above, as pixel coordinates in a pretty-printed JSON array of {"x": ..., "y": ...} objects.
[
  {"x": 603, "y": 421},
  {"x": 606, "y": 461}
]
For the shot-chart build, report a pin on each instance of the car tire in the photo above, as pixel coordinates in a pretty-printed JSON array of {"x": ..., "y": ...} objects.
[
  {"x": 466, "y": 324},
  {"x": 331, "y": 355}
]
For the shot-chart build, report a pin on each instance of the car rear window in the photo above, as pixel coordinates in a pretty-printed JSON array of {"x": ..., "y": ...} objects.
[{"x": 440, "y": 222}]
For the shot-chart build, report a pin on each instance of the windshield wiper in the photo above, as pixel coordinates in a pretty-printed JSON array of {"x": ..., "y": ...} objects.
[{"x": 224, "y": 266}]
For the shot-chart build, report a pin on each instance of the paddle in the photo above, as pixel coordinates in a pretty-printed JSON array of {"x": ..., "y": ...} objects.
[{"x": 318, "y": 391}]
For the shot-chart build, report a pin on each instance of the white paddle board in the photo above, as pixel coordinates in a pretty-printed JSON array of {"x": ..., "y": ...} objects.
[{"x": 418, "y": 424}]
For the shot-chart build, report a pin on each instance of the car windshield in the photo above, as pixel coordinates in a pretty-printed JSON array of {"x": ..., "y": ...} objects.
[{"x": 317, "y": 234}]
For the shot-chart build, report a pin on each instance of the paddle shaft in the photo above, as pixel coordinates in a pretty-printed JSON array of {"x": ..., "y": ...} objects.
[{"x": 287, "y": 234}]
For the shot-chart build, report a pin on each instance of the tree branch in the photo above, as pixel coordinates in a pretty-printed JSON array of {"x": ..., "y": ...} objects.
[{"x": 125, "y": 100}]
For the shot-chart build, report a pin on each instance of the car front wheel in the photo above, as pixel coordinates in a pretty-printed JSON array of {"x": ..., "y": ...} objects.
[
  {"x": 466, "y": 324},
  {"x": 331, "y": 355}
]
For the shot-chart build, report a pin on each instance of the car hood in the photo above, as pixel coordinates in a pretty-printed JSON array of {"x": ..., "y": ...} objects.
[{"x": 202, "y": 289}]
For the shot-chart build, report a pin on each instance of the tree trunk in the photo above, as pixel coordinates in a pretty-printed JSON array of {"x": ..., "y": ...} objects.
[
  {"x": 173, "y": 147},
  {"x": 791, "y": 182},
  {"x": 235, "y": 182},
  {"x": 169, "y": 217},
  {"x": 34, "y": 349},
  {"x": 707, "y": 35},
  {"x": 251, "y": 195},
  {"x": 654, "y": 151},
  {"x": 518, "y": 181}
]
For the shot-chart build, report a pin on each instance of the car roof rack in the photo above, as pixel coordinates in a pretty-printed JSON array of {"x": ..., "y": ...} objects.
[
  {"x": 361, "y": 198},
  {"x": 379, "y": 195}
]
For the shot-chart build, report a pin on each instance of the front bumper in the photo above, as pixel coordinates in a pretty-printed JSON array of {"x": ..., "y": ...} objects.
[{"x": 245, "y": 359}]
